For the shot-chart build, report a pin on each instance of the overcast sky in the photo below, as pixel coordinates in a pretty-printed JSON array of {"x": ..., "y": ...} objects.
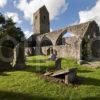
[{"x": 62, "y": 12}]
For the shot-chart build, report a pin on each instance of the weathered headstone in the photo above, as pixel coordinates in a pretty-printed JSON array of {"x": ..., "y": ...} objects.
[
  {"x": 20, "y": 56},
  {"x": 58, "y": 64},
  {"x": 52, "y": 57},
  {"x": 6, "y": 56}
]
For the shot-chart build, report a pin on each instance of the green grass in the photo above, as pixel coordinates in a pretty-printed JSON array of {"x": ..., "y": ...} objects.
[{"x": 29, "y": 85}]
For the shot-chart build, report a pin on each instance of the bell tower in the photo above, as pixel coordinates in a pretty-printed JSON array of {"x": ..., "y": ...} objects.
[{"x": 41, "y": 21}]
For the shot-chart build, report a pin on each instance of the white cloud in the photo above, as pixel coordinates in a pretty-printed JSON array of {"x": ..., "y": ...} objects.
[
  {"x": 3, "y": 3},
  {"x": 14, "y": 16},
  {"x": 92, "y": 14},
  {"x": 55, "y": 7}
]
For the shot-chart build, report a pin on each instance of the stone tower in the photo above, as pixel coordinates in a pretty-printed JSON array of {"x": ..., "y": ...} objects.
[{"x": 41, "y": 21}]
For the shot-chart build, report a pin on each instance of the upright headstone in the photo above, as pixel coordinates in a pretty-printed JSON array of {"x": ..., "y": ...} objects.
[
  {"x": 6, "y": 56},
  {"x": 20, "y": 56},
  {"x": 53, "y": 55},
  {"x": 58, "y": 64}
]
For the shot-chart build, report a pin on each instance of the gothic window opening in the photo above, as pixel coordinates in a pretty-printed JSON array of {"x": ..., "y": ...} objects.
[
  {"x": 62, "y": 38},
  {"x": 46, "y": 42}
]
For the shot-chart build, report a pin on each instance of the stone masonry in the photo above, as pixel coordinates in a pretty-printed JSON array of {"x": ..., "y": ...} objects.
[{"x": 83, "y": 45}]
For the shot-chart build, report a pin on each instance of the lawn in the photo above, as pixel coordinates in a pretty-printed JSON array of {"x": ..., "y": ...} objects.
[{"x": 29, "y": 85}]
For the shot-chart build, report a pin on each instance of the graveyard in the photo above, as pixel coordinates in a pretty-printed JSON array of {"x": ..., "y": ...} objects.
[
  {"x": 28, "y": 84},
  {"x": 47, "y": 65}
]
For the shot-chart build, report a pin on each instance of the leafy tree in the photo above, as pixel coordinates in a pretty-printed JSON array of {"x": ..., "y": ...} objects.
[
  {"x": 8, "y": 28},
  {"x": 2, "y": 19}
]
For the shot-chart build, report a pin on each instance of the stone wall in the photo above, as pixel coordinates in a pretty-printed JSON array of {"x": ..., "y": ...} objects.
[
  {"x": 78, "y": 30},
  {"x": 91, "y": 41},
  {"x": 80, "y": 46},
  {"x": 64, "y": 51},
  {"x": 74, "y": 46}
]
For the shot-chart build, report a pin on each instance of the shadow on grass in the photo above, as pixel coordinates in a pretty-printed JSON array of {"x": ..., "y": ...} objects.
[
  {"x": 38, "y": 68},
  {"x": 37, "y": 61},
  {"x": 4, "y": 95},
  {"x": 84, "y": 71},
  {"x": 38, "y": 65},
  {"x": 91, "y": 98},
  {"x": 3, "y": 74},
  {"x": 89, "y": 81}
]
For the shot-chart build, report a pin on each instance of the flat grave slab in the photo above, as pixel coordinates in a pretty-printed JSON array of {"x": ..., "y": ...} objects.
[{"x": 68, "y": 76}]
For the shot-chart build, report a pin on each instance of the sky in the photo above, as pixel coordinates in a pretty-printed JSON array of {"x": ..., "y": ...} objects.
[{"x": 62, "y": 12}]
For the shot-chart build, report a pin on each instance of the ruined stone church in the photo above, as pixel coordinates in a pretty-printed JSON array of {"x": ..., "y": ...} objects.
[{"x": 84, "y": 44}]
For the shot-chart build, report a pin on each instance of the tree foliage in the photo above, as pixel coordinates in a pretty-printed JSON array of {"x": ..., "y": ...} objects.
[{"x": 8, "y": 29}]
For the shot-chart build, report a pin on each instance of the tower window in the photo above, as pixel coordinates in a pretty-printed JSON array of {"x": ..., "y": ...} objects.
[{"x": 44, "y": 17}]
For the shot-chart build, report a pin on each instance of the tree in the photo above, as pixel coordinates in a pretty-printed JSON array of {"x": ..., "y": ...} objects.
[
  {"x": 8, "y": 28},
  {"x": 2, "y": 19}
]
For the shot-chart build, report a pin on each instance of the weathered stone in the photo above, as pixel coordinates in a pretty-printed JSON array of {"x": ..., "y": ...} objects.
[
  {"x": 81, "y": 62},
  {"x": 69, "y": 76},
  {"x": 20, "y": 56},
  {"x": 41, "y": 21},
  {"x": 48, "y": 73},
  {"x": 60, "y": 73},
  {"x": 52, "y": 57},
  {"x": 6, "y": 58},
  {"x": 29, "y": 51},
  {"x": 58, "y": 64},
  {"x": 72, "y": 75},
  {"x": 83, "y": 45}
]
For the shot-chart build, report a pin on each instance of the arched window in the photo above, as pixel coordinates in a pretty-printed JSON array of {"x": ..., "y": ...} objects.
[
  {"x": 61, "y": 39},
  {"x": 32, "y": 41},
  {"x": 96, "y": 48},
  {"x": 46, "y": 42},
  {"x": 68, "y": 34}
]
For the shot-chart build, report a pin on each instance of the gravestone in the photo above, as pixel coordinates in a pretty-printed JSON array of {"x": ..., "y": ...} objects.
[
  {"x": 6, "y": 57},
  {"x": 58, "y": 64},
  {"x": 53, "y": 56},
  {"x": 71, "y": 76},
  {"x": 68, "y": 76},
  {"x": 20, "y": 56}
]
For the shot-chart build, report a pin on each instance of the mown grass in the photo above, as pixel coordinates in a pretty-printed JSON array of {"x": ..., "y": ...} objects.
[{"x": 29, "y": 85}]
